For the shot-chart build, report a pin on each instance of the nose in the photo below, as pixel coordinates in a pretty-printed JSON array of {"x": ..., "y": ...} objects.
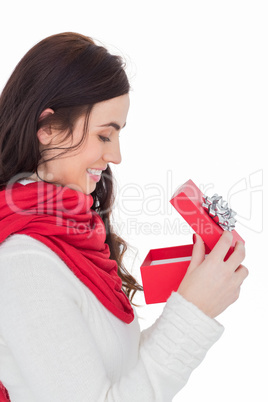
[{"x": 113, "y": 154}]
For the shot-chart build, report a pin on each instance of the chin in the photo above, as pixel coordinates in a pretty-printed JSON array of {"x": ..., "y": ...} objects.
[{"x": 89, "y": 190}]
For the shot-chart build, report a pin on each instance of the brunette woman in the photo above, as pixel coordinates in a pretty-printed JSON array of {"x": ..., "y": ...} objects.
[{"x": 68, "y": 328}]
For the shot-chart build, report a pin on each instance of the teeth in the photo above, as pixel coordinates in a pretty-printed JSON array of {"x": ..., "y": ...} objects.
[{"x": 94, "y": 171}]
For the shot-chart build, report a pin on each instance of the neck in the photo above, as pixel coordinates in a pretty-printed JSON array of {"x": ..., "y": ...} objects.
[{"x": 33, "y": 177}]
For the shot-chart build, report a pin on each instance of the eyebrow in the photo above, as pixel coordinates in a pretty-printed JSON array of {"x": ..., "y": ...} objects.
[{"x": 114, "y": 125}]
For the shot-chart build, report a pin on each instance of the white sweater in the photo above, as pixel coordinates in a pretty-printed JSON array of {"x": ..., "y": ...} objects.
[{"x": 58, "y": 343}]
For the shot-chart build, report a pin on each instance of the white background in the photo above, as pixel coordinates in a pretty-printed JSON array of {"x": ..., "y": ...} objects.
[{"x": 199, "y": 98}]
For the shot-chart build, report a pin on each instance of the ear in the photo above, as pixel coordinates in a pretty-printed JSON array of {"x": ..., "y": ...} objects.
[{"x": 44, "y": 133}]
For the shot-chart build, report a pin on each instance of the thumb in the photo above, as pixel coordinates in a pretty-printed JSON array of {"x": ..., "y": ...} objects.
[{"x": 198, "y": 254}]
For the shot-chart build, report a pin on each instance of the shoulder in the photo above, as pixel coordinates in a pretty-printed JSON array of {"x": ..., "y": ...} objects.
[
  {"x": 28, "y": 263},
  {"x": 20, "y": 244}
]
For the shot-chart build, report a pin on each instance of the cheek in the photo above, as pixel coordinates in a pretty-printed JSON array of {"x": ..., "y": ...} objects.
[{"x": 94, "y": 151}]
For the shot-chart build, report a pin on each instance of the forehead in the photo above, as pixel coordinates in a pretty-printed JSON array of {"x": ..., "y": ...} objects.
[{"x": 114, "y": 109}]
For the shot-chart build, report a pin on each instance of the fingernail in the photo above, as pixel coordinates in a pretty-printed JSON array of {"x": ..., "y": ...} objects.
[{"x": 194, "y": 238}]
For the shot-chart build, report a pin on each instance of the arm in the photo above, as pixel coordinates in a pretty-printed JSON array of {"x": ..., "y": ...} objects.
[
  {"x": 42, "y": 324},
  {"x": 177, "y": 343}
]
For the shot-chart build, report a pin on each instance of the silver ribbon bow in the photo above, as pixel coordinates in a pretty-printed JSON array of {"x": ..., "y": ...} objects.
[{"x": 219, "y": 211}]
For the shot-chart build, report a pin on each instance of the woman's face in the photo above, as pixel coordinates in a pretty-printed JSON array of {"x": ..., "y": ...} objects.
[{"x": 81, "y": 169}]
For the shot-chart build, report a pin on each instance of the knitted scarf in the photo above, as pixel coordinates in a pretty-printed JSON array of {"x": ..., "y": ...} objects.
[{"x": 63, "y": 220}]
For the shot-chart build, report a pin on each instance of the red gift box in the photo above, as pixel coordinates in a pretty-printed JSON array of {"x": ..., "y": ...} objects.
[{"x": 164, "y": 268}]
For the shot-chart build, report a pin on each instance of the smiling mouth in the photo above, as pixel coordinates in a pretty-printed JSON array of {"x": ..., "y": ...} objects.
[
  {"x": 94, "y": 172},
  {"x": 95, "y": 177}
]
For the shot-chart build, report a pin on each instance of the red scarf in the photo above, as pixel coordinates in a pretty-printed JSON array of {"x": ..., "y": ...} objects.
[
  {"x": 62, "y": 219},
  {"x": 4, "y": 395}
]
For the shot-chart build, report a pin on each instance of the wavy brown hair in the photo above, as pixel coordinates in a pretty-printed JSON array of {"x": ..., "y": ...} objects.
[{"x": 68, "y": 73}]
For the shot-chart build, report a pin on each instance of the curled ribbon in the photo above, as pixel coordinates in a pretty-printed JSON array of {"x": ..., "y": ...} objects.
[{"x": 219, "y": 211}]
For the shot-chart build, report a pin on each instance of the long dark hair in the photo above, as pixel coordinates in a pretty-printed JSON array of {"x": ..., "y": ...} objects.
[{"x": 68, "y": 73}]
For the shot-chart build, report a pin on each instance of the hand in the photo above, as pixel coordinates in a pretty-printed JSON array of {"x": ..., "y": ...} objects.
[{"x": 211, "y": 283}]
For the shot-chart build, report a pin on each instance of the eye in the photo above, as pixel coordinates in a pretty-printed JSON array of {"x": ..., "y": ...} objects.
[{"x": 104, "y": 139}]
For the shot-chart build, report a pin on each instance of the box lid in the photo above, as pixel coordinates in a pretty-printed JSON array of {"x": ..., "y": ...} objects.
[{"x": 187, "y": 200}]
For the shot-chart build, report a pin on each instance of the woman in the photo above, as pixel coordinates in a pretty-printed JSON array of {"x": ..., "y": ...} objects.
[{"x": 67, "y": 326}]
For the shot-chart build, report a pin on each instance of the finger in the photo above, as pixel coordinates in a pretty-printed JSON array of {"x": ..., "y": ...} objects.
[
  {"x": 223, "y": 245},
  {"x": 241, "y": 273},
  {"x": 198, "y": 254},
  {"x": 237, "y": 256}
]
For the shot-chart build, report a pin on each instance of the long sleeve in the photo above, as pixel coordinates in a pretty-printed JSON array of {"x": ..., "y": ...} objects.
[{"x": 59, "y": 352}]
